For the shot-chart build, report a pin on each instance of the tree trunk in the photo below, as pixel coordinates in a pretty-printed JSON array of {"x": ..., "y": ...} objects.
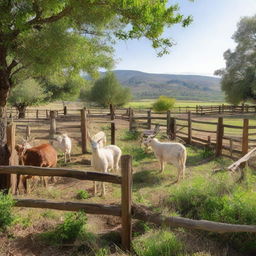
[
  {"x": 4, "y": 92},
  {"x": 22, "y": 111},
  {"x": 112, "y": 110}
]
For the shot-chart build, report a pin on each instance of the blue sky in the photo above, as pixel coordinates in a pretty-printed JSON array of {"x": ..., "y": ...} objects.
[{"x": 199, "y": 48}]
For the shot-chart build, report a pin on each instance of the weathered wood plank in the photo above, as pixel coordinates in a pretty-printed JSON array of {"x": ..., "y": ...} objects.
[
  {"x": 61, "y": 172},
  {"x": 90, "y": 208},
  {"x": 143, "y": 213}
]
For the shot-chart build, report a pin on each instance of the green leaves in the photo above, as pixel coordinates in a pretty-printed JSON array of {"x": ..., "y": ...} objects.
[
  {"x": 107, "y": 90},
  {"x": 27, "y": 93},
  {"x": 239, "y": 76}
]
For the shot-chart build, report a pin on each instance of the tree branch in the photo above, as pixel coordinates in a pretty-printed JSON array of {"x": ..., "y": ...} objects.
[
  {"x": 13, "y": 64},
  {"x": 51, "y": 19}
]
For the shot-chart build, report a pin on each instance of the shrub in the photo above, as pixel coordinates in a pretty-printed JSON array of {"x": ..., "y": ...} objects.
[
  {"x": 163, "y": 103},
  {"x": 82, "y": 194},
  {"x": 219, "y": 199},
  {"x": 72, "y": 228},
  {"x": 6, "y": 216},
  {"x": 131, "y": 135},
  {"x": 161, "y": 243}
]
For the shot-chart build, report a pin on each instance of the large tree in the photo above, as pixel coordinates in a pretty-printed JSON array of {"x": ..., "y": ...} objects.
[
  {"x": 107, "y": 91},
  {"x": 239, "y": 77},
  {"x": 44, "y": 36}
]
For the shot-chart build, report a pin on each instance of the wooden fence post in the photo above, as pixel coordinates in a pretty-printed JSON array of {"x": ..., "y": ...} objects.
[
  {"x": 189, "y": 128},
  {"x": 231, "y": 146},
  {"x": 173, "y": 127},
  {"x": 84, "y": 130},
  {"x": 53, "y": 127},
  {"x": 209, "y": 143},
  {"x": 242, "y": 107},
  {"x": 168, "y": 116},
  {"x": 37, "y": 113},
  {"x": 65, "y": 110},
  {"x": 149, "y": 120},
  {"x": 126, "y": 201},
  {"x": 113, "y": 128},
  {"x": 131, "y": 121},
  {"x": 219, "y": 109},
  {"x": 28, "y": 132},
  {"x": 219, "y": 137},
  {"x": 13, "y": 160},
  {"x": 245, "y": 137},
  {"x": 197, "y": 109},
  {"x": 46, "y": 113}
]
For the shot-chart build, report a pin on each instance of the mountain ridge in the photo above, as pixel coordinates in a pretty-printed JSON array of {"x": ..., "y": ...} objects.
[{"x": 180, "y": 86}]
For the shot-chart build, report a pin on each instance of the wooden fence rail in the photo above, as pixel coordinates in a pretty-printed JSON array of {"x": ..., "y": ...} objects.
[{"x": 125, "y": 181}]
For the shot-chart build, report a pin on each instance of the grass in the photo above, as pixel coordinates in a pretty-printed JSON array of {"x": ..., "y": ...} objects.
[
  {"x": 82, "y": 194},
  {"x": 147, "y": 103},
  {"x": 71, "y": 229},
  {"x": 219, "y": 198},
  {"x": 161, "y": 243},
  {"x": 6, "y": 214}
]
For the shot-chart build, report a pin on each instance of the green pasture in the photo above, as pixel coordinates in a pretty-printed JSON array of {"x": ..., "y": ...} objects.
[{"x": 179, "y": 103}]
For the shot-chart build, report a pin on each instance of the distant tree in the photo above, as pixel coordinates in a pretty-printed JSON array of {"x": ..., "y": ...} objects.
[
  {"x": 163, "y": 103},
  {"x": 28, "y": 93},
  {"x": 238, "y": 79},
  {"x": 107, "y": 91},
  {"x": 64, "y": 88}
]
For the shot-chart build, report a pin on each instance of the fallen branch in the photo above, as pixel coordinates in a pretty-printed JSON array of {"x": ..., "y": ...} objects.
[
  {"x": 245, "y": 158},
  {"x": 143, "y": 213}
]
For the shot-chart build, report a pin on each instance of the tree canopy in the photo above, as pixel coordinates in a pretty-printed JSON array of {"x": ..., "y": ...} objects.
[
  {"x": 108, "y": 91},
  {"x": 44, "y": 37},
  {"x": 27, "y": 93},
  {"x": 239, "y": 76}
]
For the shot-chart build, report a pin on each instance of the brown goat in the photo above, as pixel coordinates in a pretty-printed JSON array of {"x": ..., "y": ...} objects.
[{"x": 43, "y": 156}]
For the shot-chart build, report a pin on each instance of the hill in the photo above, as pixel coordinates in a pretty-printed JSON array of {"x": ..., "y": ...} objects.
[{"x": 187, "y": 87}]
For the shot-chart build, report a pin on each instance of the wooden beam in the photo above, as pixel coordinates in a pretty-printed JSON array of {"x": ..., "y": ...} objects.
[
  {"x": 143, "y": 213},
  {"x": 189, "y": 128},
  {"x": 219, "y": 137},
  {"x": 84, "y": 130},
  {"x": 126, "y": 198},
  {"x": 90, "y": 208},
  {"x": 245, "y": 158},
  {"x": 61, "y": 172}
]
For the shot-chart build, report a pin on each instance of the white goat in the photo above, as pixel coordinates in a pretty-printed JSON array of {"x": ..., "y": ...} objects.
[
  {"x": 101, "y": 137},
  {"x": 64, "y": 143},
  {"x": 169, "y": 152},
  {"x": 104, "y": 159}
]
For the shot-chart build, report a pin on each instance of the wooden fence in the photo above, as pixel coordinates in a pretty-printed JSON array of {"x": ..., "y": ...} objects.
[
  {"x": 124, "y": 211},
  {"x": 185, "y": 126},
  {"x": 40, "y": 113}
]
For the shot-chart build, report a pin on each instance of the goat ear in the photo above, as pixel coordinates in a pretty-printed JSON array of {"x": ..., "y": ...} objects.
[
  {"x": 99, "y": 140},
  {"x": 89, "y": 136}
]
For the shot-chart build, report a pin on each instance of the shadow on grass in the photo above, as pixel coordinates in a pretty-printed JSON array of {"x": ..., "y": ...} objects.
[
  {"x": 146, "y": 179},
  {"x": 198, "y": 156}
]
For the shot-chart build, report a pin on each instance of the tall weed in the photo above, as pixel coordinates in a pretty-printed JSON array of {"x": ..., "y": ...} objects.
[{"x": 6, "y": 216}]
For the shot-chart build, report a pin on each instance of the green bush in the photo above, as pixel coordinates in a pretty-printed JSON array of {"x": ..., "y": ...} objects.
[
  {"x": 220, "y": 199},
  {"x": 6, "y": 216},
  {"x": 131, "y": 135},
  {"x": 72, "y": 228},
  {"x": 163, "y": 103},
  {"x": 161, "y": 243},
  {"x": 82, "y": 194}
]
